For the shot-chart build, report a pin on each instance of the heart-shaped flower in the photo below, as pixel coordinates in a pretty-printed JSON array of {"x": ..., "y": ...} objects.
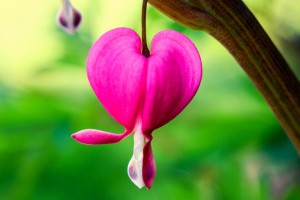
[{"x": 141, "y": 93}]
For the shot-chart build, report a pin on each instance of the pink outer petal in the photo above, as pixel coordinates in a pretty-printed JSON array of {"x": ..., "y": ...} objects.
[
  {"x": 149, "y": 167},
  {"x": 117, "y": 73},
  {"x": 94, "y": 137},
  {"x": 173, "y": 77}
]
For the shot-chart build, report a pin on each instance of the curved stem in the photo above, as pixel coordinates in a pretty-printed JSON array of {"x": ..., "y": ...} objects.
[
  {"x": 233, "y": 24},
  {"x": 145, "y": 50}
]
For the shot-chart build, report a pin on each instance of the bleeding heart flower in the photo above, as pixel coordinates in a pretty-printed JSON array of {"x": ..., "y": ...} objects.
[
  {"x": 141, "y": 93},
  {"x": 68, "y": 17}
]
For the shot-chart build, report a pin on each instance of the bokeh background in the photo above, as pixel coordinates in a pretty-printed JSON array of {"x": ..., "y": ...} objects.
[{"x": 226, "y": 144}]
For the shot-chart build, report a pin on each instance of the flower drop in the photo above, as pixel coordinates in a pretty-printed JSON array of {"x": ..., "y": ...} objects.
[
  {"x": 68, "y": 17},
  {"x": 141, "y": 93}
]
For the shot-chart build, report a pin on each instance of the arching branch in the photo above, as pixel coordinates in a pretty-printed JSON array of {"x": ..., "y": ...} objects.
[{"x": 233, "y": 24}]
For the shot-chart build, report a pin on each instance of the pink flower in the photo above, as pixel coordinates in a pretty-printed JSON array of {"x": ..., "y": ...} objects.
[{"x": 141, "y": 93}]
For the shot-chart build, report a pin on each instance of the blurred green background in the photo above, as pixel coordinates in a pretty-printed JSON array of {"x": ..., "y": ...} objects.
[{"x": 226, "y": 144}]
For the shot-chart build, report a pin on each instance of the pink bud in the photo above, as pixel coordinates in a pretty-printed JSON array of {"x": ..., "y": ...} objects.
[
  {"x": 68, "y": 17},
  {"x": 140, "y": 93}
]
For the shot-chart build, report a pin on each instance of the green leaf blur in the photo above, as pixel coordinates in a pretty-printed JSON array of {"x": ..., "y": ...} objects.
[{"x": 226, "y": 144}]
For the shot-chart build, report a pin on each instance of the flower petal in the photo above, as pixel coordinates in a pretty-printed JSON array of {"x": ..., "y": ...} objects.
[
  {"x": 173, "y": 77},
  {"x": 135, "y": 166},
  {"x": 94, "y": 137},
  {"x": 134, "y": 172},
  {"x": 117, "y": 73},
  {"x": 149, "y": 167}
]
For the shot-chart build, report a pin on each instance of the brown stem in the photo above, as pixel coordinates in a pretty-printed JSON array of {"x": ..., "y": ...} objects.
[
  {"x": 145, "y": 50},
  {"x": 233, "y": 24}
]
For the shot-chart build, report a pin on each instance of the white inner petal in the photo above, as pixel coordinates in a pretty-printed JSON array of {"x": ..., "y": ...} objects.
[{"x": 135, "y": 165}]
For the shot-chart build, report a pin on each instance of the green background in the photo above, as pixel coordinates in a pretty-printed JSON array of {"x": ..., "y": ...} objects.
[{"x": 226, "y": 144}]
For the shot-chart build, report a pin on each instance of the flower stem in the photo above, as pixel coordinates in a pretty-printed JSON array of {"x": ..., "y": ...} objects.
[
  {"x": 233, "y": 24},
  {"x": 145, "y": 50}
]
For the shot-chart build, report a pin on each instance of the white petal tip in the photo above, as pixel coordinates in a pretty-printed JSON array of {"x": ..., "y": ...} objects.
[{"x": 135, "y": 173}]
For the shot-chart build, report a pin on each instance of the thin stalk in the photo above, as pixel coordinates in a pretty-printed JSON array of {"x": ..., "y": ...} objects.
[{"x": 145, "y": 50}]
